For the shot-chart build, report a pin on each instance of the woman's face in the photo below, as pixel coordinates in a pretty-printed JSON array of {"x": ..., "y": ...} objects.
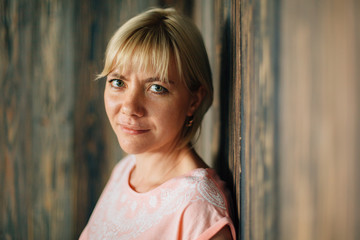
[{"x": 146, "y": 114}]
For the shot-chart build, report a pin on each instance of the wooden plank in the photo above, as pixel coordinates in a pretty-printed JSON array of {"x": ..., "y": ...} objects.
[
  {"x": 259, "y": 43},
  {"x": 15, "y": 123},
  {"x": 36, "y": 145},
  {"x": 319, "y": 119},
  {"x": 235, "y": 109}
]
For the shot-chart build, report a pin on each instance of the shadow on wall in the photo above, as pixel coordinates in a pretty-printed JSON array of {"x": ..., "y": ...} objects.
[{"x": 226, "y": 81}]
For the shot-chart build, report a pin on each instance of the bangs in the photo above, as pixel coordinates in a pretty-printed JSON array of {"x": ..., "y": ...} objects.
[{"x": 149, "y": 50}]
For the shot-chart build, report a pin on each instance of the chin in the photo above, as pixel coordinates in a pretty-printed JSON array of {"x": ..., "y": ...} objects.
[
  {"x": 131, "y": 147},
  {"x": 131, "y": 150}
]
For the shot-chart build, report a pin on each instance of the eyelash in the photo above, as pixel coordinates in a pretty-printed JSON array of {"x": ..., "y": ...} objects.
[
  {"x": 116, "y": 80},
  {"x": 163, "y": 90}
]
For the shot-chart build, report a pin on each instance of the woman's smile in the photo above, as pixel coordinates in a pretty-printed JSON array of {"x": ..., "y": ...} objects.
[{"x": 132, "y": 130}]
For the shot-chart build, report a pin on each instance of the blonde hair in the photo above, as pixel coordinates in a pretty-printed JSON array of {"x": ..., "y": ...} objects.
[{"x": 151, "y": 40}]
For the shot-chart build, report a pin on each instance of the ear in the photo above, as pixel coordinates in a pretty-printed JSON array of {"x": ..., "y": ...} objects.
[{"x": 196, "y": 99}]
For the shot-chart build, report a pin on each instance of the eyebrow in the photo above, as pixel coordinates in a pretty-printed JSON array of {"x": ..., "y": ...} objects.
[
  {"x": 147, "y": 80},
  {"x": 116, "y": 75},
  {"x": 156, "y": 79}
]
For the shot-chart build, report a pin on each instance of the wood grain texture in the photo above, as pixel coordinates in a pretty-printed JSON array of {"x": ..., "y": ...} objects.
[
  {"x": 299, "y": 120},
  {"x": 36, "y": 124},
  {"x": 259, "y": 61},
  {"x": 319, "y": 118}
]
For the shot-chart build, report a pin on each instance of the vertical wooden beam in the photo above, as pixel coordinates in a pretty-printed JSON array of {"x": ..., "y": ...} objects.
[
  {"x": 52, "y": 109},
  {"x": 259, "y": 84},
  {"x": 319, "y": 119},
  {"x": 235, "y": 121},
  {"x": 15, "y": 121},
  {"x": 37, "y": 102}
]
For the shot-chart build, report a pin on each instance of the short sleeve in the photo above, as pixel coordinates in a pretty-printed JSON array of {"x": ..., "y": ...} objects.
[{"x": 202, "y": 220}]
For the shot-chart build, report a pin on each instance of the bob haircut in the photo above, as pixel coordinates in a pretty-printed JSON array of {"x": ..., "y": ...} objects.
[{"x": 156, "y": 38}]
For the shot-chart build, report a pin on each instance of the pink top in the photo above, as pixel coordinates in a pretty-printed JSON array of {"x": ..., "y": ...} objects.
[{"x": 192, "y": 206}]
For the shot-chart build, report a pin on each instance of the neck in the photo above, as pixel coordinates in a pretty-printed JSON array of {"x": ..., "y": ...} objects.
[{"x": 153, "y": 169}]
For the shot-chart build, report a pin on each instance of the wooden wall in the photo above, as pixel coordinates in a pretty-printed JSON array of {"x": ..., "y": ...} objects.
[
  {"x": 300, "y": 119},
  {"x": 283, "y": 130},
  {"x": 319, "y": 120},
  {"x": 259, "y": 201},
  {"x": 36, "y": 123}
]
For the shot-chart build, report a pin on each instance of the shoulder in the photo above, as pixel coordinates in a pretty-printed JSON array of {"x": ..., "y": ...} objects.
[
  {"x": 209, "y": 188},
  {"x": 207, "y": 212}
]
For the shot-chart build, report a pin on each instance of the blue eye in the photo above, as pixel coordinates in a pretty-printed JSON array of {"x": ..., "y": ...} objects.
[
  {"x": 158, "y": 89},
  {"x": 117, "y": 83}
]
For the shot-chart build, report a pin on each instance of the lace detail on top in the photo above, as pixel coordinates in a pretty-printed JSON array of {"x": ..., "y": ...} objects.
[{"x": 123, "y": 214}]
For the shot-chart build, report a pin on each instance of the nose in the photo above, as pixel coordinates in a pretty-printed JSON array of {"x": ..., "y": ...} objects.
[{"x": 133, "y": 104}]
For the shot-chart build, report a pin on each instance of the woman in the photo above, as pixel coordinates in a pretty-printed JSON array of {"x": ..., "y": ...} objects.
[{"x": 158, "y": 88}]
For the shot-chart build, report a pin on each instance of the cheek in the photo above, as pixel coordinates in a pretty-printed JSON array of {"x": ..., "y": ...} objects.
[
  {"x": 110, "y": 104},
  {"x": 171, "y": 114}
]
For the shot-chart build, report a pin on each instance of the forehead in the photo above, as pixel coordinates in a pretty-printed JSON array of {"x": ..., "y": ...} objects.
[{"x": 167, "y": 72}]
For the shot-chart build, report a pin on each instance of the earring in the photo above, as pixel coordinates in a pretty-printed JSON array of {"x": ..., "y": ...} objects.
[{"x": 190, "y": 121}]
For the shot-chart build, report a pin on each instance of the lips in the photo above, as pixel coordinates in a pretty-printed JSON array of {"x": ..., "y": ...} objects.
[{"x": 133, "y": 130}]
